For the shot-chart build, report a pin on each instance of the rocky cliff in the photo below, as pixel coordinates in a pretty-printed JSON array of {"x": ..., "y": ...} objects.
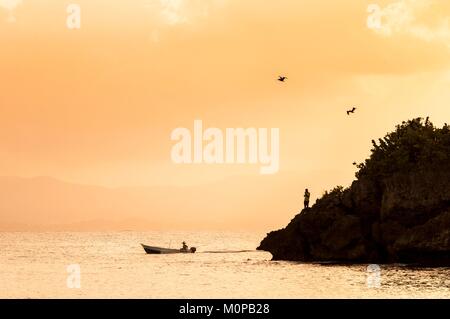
[{"x": 397, "y": 210}]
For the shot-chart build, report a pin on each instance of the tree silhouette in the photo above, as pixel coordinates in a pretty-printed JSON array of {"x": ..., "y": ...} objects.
[{"x": 414, "y": 144}]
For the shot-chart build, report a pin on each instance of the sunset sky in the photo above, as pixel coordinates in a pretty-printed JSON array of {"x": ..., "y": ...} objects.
[{"x": 97, "y": 105}]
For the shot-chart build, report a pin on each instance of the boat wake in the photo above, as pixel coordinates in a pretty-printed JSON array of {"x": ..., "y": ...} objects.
[{"x": 227, "y": 251}]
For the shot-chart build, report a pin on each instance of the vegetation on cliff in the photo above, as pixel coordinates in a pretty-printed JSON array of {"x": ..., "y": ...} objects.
[{"x": 415, "y": 144}]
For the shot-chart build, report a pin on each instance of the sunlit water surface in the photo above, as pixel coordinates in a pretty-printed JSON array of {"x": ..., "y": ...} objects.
[{"x": 114, "y": 265}]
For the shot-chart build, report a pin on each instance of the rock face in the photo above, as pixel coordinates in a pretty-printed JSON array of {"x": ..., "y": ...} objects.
[{"x": 402, "y": 216}]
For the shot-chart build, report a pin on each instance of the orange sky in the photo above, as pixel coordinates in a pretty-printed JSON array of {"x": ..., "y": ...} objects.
[{"x": 97, "y": 105}]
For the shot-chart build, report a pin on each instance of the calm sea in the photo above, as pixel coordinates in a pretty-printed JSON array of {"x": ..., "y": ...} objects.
[{"x": 114, "y": 265}]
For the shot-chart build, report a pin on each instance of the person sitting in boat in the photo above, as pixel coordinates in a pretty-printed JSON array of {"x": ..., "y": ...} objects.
[{"x": 185, "y": 247}]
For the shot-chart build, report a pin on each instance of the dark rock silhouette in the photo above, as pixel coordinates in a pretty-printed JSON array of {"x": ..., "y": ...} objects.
[{"x": 398, "y": 209}]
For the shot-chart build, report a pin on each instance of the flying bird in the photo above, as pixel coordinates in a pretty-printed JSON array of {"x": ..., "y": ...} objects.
[
  {"x": 282, "y": 78},
  {"x": 351, "y": 111}
]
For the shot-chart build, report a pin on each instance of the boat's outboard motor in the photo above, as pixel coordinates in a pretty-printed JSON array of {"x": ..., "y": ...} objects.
[{"x": 193, "y": 249}]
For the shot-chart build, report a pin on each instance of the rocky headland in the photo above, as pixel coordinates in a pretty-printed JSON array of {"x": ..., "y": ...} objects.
[{"x": 396, "y": 211}]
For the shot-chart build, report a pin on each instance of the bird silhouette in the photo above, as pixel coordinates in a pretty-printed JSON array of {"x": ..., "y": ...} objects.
[
  {"x": 282, "y": 78},
  {"x": 351, "y": 111}
]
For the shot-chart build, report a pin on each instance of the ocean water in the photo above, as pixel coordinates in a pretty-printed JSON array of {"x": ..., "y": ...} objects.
[{"x": 226, "y": 265}]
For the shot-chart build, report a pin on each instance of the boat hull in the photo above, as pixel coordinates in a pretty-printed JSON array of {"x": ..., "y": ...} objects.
[{"x": 159, "y": 250}]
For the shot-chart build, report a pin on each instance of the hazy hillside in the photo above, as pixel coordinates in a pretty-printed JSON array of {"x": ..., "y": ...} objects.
[{"x": 236, "y": 203}]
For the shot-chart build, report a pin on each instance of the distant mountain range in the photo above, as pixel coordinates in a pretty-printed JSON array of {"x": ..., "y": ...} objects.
[{"x": 237, "y": 203}]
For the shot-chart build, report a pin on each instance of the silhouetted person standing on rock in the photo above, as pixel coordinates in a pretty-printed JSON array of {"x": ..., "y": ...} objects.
[{"x": 307, "y": 195}]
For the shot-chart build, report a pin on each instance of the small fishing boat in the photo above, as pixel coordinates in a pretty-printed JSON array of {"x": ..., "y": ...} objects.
[{"x": 160, "y": 250}]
